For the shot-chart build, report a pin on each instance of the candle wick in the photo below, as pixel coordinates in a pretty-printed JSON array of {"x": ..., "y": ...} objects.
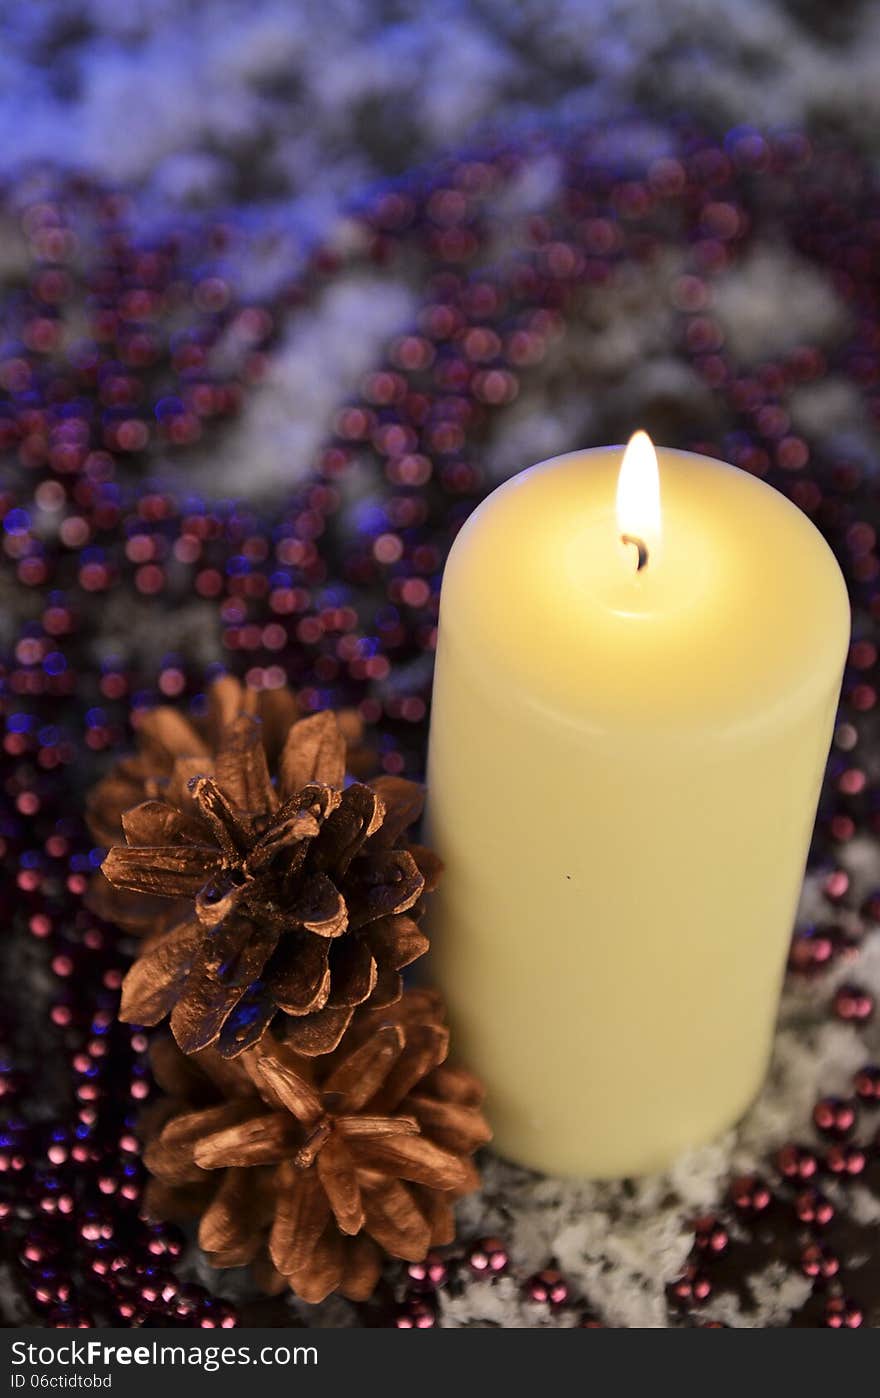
[{"x": 640, "y": 546}]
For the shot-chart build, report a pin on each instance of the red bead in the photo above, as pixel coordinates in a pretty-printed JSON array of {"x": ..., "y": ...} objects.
[
  {"x": 488, "y": 1257},
  {"x": 853, "y": 1004},
  {"x": 128, "y": 1314},
  {"x": 39, "y": 1247},
  {"x": 843, "y": 1313},
  {"x": 692, "y": 1287},
  {"x": 866, "y": 1083},
  {"x": 836, "y": 885},
  {"x": 846, "y": 1160},
  {"x": 548, "y": 1287},
  {"x": 165, "y": 1240},
  {"x": 819, "y": 1262},
  {"x": 814, "y": 1208},
  {"x": 812, "y": 951},
  {"x": 710, "y": 1235},
  {"x": 750, "y": 1196},
  {"x": 190, "y": 1301},
  {"x": 50, "y": 1286},
  {"x": 429, "y": 1274},
  {"x": 414, "y": 1314},
  {"x": 157, "y": 1286},
  {"x": 835, "y": 1117},
  {"x": 216, "y": 1315},
  {"x": 797, "y": 1163}
]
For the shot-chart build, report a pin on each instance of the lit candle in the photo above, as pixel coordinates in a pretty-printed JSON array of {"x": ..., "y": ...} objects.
[{"x": 636, "y": 683}]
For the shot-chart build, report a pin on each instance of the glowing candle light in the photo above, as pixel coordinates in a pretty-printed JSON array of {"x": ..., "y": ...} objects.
[
  {"x": 637, "y": 676},
  {"x": 639, "y": 519}
]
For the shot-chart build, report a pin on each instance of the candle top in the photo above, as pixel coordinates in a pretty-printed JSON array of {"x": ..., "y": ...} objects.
[{"x": 740, "y": 607}]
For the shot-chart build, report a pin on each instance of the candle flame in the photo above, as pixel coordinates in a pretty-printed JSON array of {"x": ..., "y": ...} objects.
[{"x": 638, "y": 496}]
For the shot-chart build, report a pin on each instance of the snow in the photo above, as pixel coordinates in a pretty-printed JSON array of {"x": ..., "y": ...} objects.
[
  {"x": 317, "y": 365},
  {"x": 747, "y": 301}
]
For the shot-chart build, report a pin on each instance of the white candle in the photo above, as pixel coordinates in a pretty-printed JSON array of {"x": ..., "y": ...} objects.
[{"x": 624, "y": 768}]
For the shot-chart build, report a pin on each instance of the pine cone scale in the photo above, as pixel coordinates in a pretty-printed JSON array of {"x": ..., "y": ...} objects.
[
  {"x": 259, "y": 1140},
  {"x": 354, "y": 973},
  {"x": 288, "y": 1088},
  {"x": 320, "y": 908},
  {"x": 218, "y": 901},
  {"x": 203, "y": 1006},
  {"x": 301, "y": 1213},
  {"x": 248, "y": 1021},
  {"x": 361, "y": 1073},
  {"x": 167, "y": 732},
  {"x": 172, "y": 1156},
  {"x": 403, "y": 801},
  {"x": 439, "y": 1213},
  {"x": 241, "y": 769},
  {"x": 363, "y": 1266},
  {"x": 300, "y": 974},
  {"x": 231, "y": 1222},
  {"x": 426, "y": 1046},
  {"x": 324, "y": 1270},
  {"x": 390, "y": 883},
  {"x": 396, "y": 941},
  {"x": 237, "y": 950},
  {"x": 169, "y": 871},
  {"x": 176, "y": 1203},
  {"x": 155, "y": 982},
  {"x": 429, "y": 865},
  {"x": 219, "y": 815},
  {"x": 314, "y": 752},
  {"x": 394, "y": 1219},
  {"x": 336, "y": 1171},
  {"x": 358, "y": 816},
  {"x": 371, "y": 1127},
  {"x": 388, "y": 990},
  {"x": 157, "y": 823},
  {"x": 316, "y": 1034},
  {"x": 412, "y": 1158},
  {"x": 457, "y": 1128}
]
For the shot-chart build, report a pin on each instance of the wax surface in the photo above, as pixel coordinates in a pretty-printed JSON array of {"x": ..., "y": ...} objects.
[{"x": 623, "y": 776}]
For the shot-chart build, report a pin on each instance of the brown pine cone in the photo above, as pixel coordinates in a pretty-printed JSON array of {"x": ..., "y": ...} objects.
[
  {"x": 298, "y": 895},
  {"x": 311, "y": 1169}
]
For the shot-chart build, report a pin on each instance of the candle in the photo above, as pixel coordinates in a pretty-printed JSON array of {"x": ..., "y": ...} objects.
[{"x": 636, "y": 682}]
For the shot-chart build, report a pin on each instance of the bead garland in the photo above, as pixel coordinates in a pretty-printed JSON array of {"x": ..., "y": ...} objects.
[{"x": 124, "y": 346}]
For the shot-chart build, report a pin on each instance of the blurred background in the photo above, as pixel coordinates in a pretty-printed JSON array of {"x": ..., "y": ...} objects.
[
  {"x": 269, "y": 119},
  {"x": 277, "y": 116},
  {"x": 302, "y": 102},
  {"x": 285, "y": 289}
]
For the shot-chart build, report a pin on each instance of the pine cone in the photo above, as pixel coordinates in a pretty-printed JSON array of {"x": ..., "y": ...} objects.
[
  {"x": 311, "y": 1169},
  {"x": 296, "y": 896}
]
